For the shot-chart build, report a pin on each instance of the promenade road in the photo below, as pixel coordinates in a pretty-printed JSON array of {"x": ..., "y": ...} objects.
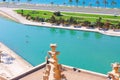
[{"x": 61, "y": 8}]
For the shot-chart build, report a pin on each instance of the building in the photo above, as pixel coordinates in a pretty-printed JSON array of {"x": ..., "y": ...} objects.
[{"x": 51, "y": 70}]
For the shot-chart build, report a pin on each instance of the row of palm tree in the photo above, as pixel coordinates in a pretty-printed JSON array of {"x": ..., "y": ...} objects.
[
  {"x": 113, "y": 3},
  {"x": 76, "y": 22}
]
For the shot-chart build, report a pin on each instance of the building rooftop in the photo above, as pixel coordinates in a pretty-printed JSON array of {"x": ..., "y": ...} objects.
[
  {"x": 2, "y": 78},
  {"x": 52, "y": 70},
  {"x": 70, "y": 73},
  {"x": 11, "y": 64}
]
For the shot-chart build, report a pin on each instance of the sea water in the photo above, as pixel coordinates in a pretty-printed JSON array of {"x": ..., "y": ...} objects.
[
  {"x": 86, "y": 50},
  {"x": 88, "y": 3}
]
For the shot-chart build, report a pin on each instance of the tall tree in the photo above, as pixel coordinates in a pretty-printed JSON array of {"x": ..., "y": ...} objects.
[
  {"x": 77, "y": 1},
  {"x": 22, "y": 12},
  {"x": 99, "y": 23},
  {"x": 70, "y": 1},
  {"x": 83, "y": 3},
  {"x": 107, "y": 25},
  {"x": 105, "y": 2},
  {"x": 52, "y": 19},
  {"x": 113, "y": 3},
  {"x": 29, "y": 1},
  {"x": 52, "y": 3},
  {"x": 90, "y": 4},
  {"x": 13, "y": 1},
  {"x": 97, "y": 3},
  {"x": 4, "y": 0},
  {"x": 18, "y": 0},
  {"x": 64, "y": 3}
]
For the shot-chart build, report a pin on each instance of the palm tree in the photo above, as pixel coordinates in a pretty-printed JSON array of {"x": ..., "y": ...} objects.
[
  {"x": 90, "y": 4},
  {"x": 86, "y": 23},
  {"x": 70, "y": 1},
  {"x": 77, "y": 1},
  {"x": 29, "y": 1},
  {"x": 98, "y": 3},
  {"x": 18, "y": 1},
  {"x": 52, "y": 3},
  {"x": 52, "y": 19},
  {"x": 99, "y": 23},
  {"x": 22, "y": 12},
  {"x": 83, "y": 3},
  {"x": 105, "y": 2},
  {"x": 113, "y": 3},
  {"x": 107, "y": 25},
  {"x": 71, "y": 20},
  {"x": 4, "y": 0},
  {"x": 64, "y": 3},
  {"x": 13, "y": 1},
  {"x": 61, "y": 20}
]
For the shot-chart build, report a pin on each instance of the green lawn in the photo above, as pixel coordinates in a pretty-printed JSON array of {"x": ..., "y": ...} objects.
[
  {"x": 67, "y": 15},
  {"x": 43, "y": 14},
  {"x": 92, "y": 15}
]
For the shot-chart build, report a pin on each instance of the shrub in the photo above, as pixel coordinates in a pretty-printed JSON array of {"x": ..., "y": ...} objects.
[
  {"x": 33, "y": 18},
  {"x": 45, "y": 13},
  {"x": 57, "y": 13},
  {"x": 27, "y": 16},
  {"x": 22, "y": 12}
]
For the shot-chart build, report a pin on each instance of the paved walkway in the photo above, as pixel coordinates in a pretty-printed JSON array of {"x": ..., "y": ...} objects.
[
  {"x": 62, "y": 8},
  {"x": 68, "y": 72},
  {"x": 90, "y": 17},
  {"x": 12, "y": 64}
]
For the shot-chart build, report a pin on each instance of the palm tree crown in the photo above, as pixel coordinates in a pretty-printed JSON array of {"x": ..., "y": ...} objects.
[
  {"x": 29, "y": 0},
  {"x": 4, "y": 0},
  {"x": 83, "y": 3},
  {"x": 77, "y": 1},
  {"x": 70, "y": 1},
  {"x": 105, "y": 2},
  {"x": 98, "y": 3},
  {"x": 113, "y": 3}
]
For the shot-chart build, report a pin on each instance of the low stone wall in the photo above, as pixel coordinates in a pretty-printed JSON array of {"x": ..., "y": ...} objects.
[
  {"x": 85, "y": 71},
  {"x": 29, "y": 72},
  {"x": 64, "y": 66},
  {"x": 117, "y": 30}
]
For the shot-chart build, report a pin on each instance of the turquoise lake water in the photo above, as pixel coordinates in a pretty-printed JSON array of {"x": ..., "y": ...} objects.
[
  {"x": 61, "y": 2},
  {"x": 87, "y": 50}
]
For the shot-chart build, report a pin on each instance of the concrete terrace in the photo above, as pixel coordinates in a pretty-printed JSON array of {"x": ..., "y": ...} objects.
[
  {"x": 37, "y": 74},
  {"x": 12, "y": 64}
]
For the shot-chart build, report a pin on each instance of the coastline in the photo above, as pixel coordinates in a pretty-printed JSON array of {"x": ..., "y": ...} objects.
[
  {"x": 9, "y": 13},
  {"x": 8, "y": 16}
]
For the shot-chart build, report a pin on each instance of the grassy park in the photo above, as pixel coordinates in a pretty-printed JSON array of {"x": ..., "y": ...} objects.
[{"x": 111, "y": 21}]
